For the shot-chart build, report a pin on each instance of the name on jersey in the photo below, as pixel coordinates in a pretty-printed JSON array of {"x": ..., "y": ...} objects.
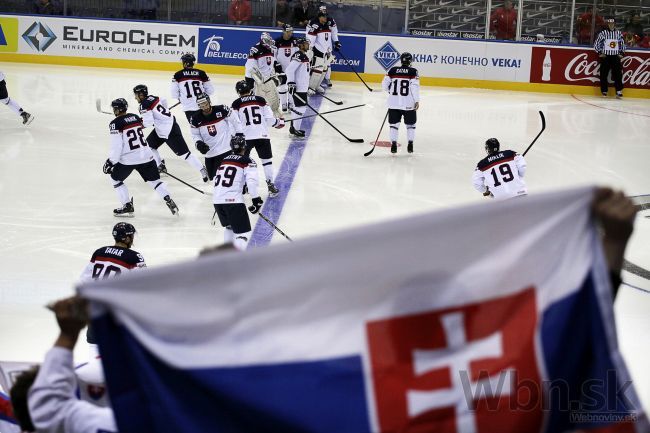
[
  {"x": 495, "y": 157},
  {"x": 191, "y": 73},
  {"x": 115, "y": 251},
  {"x": 131, "y": 119}
]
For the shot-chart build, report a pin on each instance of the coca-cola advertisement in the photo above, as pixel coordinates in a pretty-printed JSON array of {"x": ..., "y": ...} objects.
[{"x": 581, "y": 66}]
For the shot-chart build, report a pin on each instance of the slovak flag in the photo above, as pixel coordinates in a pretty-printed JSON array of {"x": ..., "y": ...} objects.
[{"x": 490, "y": 318}]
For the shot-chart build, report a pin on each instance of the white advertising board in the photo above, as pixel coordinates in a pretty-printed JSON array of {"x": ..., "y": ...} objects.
[
  {"x": 121, "y": 40},
  {"x": 440, "y": 58}
]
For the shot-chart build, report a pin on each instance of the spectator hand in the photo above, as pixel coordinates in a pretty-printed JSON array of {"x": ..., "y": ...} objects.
[
  {"x": 71, "y": 316},
  {"x": 615, "y": 213}
]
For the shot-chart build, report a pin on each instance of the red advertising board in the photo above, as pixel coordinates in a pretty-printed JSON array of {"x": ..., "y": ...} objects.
[{"x": 580, "y": 66}]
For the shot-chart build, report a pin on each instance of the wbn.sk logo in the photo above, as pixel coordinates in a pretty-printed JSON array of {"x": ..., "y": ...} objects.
[
  {"x": 39, "y": 36},
  {"x": 212, "y": 46}
]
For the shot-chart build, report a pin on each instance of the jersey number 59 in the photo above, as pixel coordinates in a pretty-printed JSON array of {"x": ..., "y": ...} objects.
[{"x": 228, "y": 177}]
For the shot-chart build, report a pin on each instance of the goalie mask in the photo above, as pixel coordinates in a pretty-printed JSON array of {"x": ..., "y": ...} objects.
[{"x": 267, "y": 40}]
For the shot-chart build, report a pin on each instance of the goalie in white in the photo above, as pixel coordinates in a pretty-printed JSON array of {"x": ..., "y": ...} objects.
[{"x": 262, "y": 71}]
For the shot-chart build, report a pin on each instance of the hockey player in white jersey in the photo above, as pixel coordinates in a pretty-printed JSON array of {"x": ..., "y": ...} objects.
[
  {"x": 500, "y": 175},
  {"x": 129, "y": 152},
  {"x": 188, "y": 83},
  {"x": 236, "y": 171},
  {"x": 285, "y": 47},
  {"x": 256, "y": 116},
  {"x": 155, "y": 112},
  {"x": 402, "y": 84},
  {"x": 11, "y": 103},
  {"x": 212, "y": 127},
  {"x": 298, "y": 84},
  {"x": 322, "y": 34},
  {"x": 262, "y": 71}
]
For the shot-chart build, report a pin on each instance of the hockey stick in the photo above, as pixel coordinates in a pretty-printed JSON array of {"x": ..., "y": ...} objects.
[
  {"x": 540, "y": 133},
  {"x": 274, "y": 226},
  {"x": 323, "y": 95},
  {"x": 326, "y": 112},
  {"x": 375, "y": 143},
  {"x": 354, "y": 70},
  {"x": 98, "y": 104},
  {"x": 352, "y": 140},
  {"x": 182, "y": 181}
]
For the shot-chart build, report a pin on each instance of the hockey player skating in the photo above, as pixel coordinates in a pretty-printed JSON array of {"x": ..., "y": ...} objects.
[
  {"x": 298, "y": 84},
  {"x": 12, "y": 104},
  {"x": 255, "y": 117},
  {"x": 211, "y": 127},
  {"x": 262, "y": 71},
  {"x": 188, "y": 83},
  {"x": 235, "y": 171},
  {"x": 129, "y": 152},
  {"x": 402, "y": 84},
  {"x": 322, "y": 34},
  {"x": 155, "y": 112},
  {"x": 108, "y": 262},
  {"x": 501, "y": 174},
  {"x": 285, "y": 47}
]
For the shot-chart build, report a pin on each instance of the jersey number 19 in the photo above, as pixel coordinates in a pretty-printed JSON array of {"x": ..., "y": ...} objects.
[{"x": 506, "y": 173}]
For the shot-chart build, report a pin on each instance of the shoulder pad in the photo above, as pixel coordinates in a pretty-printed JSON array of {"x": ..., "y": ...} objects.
[
  {"x": 260, "y": 99},
  {"x": 236, "y": 103},
  {"x": 196, "y": 119}
]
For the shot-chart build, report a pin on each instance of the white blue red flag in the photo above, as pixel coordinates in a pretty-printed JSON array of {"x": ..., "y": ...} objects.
[{"x": 486, "y": 318}]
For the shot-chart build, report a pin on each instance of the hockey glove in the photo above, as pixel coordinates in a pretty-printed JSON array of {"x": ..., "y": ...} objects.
[
  {"x": 279, "y": 123},
  {"x": 337, "y": 46},
  {"x": 292, "y": 87},
  {"x": 202, "y": 147},
  {"x": 108, "y": 167},
  {"x": 257, "y": 205}
]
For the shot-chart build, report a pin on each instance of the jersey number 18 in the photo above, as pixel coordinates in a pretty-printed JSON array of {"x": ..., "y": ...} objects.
[{"x": 403, "y": 87}]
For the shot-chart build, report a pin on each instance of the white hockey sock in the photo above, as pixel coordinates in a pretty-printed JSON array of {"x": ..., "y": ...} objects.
[
  {"x": 156, "y": 156},
  {"x": 282, "y": 91},
  {"x": 296, "y": 123},
  {"x": 159, "y": 186},
  {"x": 13, "y": 105},
  {"x": 122, "y": 191},
  {"x": 329, "y": 73},
  {"x": 241, "y": 240},
  {"x": 228, "y": 235},
  {"x": 394, "y": 131},
  {"x": 268, "y": 169},
  {"x": 410, "y": 132},
  {"x": 193, "y": 161}
]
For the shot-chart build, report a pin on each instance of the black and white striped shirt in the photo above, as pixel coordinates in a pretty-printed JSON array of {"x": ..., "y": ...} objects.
[{"x": 610, "y": 43}]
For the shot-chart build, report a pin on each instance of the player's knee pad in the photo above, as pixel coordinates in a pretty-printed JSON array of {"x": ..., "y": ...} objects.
[
  {"x": 264, "y": 162},
  {"x": 155, "y": 184},
  {"x": 410, "y": 126},
  {"x": 117, "y": 183}
]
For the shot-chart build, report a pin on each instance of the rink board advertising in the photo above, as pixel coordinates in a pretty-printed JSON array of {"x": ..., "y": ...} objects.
[{"x": 466, "y": 57}]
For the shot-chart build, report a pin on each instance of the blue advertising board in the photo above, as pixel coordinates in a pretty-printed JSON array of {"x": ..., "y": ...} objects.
[{"x": 220, "y": 46}]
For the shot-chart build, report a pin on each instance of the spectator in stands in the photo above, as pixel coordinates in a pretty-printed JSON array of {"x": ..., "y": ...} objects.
[
  {"x": 239, "y": 12},
  {"x": 303, "y": 13},
  {"x": 503, "y": 21},
  {"x": 583, "y": 27},
  {"x": 141, "y": 9},
  {"x": 283, "y": 13},
  {"x": 52, "y": 405},
  {"x": 48, "y": 7},
  {"x": 634, "y": 26}
]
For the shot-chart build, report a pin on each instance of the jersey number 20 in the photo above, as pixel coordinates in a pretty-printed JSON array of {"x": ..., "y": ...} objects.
[{"x": 403, "y": 87}]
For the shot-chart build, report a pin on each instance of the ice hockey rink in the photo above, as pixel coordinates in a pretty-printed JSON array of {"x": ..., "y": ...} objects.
[{"x": 57, "y": 204}]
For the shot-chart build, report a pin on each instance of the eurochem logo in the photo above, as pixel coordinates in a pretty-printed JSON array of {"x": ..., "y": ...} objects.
[
  {"x": 387, "y": 55},
  {"x": 8, "y": 35},
  {"x": 39, "y": 36}
]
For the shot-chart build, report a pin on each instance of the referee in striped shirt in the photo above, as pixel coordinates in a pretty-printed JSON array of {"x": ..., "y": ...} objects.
[{"x": 610, "y": 47}]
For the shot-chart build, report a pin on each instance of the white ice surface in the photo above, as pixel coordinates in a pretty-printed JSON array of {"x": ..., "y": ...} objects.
[{"x": 56, "y": 205}]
